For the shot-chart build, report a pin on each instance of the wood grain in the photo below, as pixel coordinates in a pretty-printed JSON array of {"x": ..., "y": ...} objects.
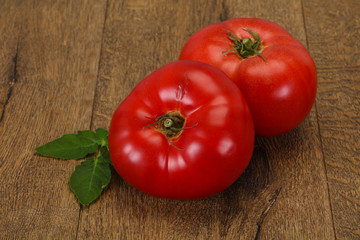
[
  {"x": 333, "y": 29},
  {"x": 9, "y": 33},
  {"x": 56, "y": 58},
  {"x": 339, "y": 120},
  {"x": 66, "y": 65},
  {"x": 332, "y": 35}
]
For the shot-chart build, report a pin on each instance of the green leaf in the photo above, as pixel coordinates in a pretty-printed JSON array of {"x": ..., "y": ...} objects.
[
  {"x": 72, "y": 146},
  {"x": 102, "y": 135},
  {"x": 89, "y": 179},
  {"x": 104, "y": 151}
]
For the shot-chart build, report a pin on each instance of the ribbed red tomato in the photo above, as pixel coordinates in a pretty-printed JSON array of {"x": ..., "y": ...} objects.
[
  {"x": 273, "y": 70},
  {"x": 184, "y": 132}
]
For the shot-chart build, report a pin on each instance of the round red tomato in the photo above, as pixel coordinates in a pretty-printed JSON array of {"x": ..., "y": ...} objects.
[
  {"x": 184, "y": 132},
  {"x": 273, "y": 70}
]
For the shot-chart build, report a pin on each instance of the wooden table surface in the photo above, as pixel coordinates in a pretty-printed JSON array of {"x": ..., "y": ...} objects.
[{"x": 66, "y": 65}]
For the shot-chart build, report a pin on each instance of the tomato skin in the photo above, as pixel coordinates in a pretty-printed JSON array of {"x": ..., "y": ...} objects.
[
  {"x": 212, "y": 153},
  {"x": 281, "y": 92}
]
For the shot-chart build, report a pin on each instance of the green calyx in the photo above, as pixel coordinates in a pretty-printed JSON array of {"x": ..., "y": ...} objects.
[{"x": 247, "y": 47}]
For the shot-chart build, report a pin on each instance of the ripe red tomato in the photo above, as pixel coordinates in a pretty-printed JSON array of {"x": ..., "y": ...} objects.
[
  {"x": 184, "y": 132},
  {"x": 273, "y": 70}
]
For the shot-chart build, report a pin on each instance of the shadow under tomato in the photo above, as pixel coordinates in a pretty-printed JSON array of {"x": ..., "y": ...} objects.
[{"x": 241, "y": 204}]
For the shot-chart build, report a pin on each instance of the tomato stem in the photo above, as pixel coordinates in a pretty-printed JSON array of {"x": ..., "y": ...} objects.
[
  {"x": 171, "y": 125},
  {"x": 247, "y": 47},
  {"x": 168, "y": 123}
]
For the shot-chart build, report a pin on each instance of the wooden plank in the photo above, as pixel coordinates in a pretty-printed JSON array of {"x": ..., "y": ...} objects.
[
  {"x": 9, "y": 30},
  {"x": 282, "y": 194},
  {"x": 56, "y": 69},
  {"x": 333, "y": 32},
  {"x": 339, "y": 117}
]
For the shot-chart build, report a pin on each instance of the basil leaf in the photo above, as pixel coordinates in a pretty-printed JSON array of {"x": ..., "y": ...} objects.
[
  {"x": 71, "y": 146},
  {"x": 102, "y": 134},
  {"x": 104, "y": 151},
  {"x": 90, "y": 135},
  {"x": 89, "y": 179}
]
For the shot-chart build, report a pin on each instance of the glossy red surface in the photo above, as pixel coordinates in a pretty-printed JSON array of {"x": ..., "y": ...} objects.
[
  {"x": 281, "y": 92},
  {"x": 213, "y": 153}
]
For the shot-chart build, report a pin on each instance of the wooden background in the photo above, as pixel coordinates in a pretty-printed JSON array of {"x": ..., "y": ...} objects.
[{"x": 66, "y": 65}]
